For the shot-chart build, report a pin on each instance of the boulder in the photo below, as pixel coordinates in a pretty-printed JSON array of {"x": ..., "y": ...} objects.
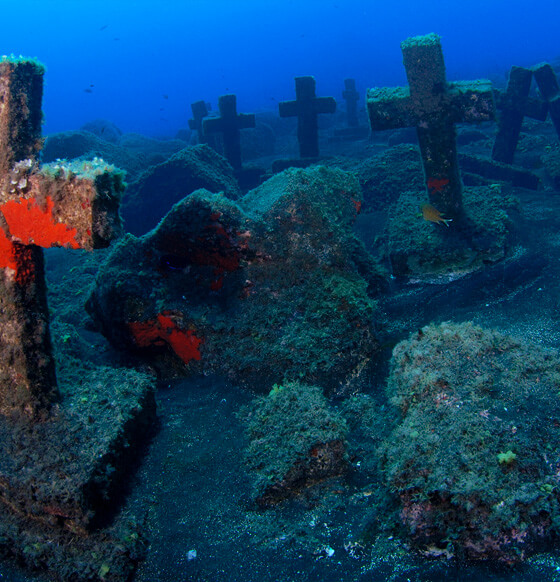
[
  {"x": 150, "y": 197},
  {"x": 473, "y": 459},
  {"x": 296, "y": 440},
  {"x": 262, "y": 290}
]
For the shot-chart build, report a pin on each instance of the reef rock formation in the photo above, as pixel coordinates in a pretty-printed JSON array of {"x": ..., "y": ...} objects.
[
  {"x": 474, "y": 458},
  {"x": 151, "y": 196},
  {"x": 130, "y": 152},
  {"x": 263, "y": 290},
  {"x": 296, "y": 440}
]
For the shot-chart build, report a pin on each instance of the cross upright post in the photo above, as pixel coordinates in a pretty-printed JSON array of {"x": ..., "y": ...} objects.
[
  {"x": 550, "y": 90},
  {"x": 199, "y": 111},
  {"x": 351, "y": 96},
  {"x": 38, "y": 208},
  {"x": 433, "y": 106},
  {"x": 230, "y": 124},
  {"x": 514, "y": 105},
  {"x": 306, "y": 107}
]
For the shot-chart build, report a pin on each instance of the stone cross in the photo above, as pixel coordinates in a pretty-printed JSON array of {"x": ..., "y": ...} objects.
[
  {"x": 306, "y": 108},
  {"x": 433, "y": 106},
  {"x": 55, "y": 206},
  {"x": 514, "y": 105},
  {"x": 351, "y": 96},
  {"x": 229, "y": 124},
  {"x": 199, "y": 111},
  {"x": 550, "y": 91}
]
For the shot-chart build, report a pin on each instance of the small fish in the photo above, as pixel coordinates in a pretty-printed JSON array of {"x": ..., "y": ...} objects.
[
  {"x": 432, "y": 214},
  {"x": 104, "y": 27},
  {"x": 88, "y": 91},
  {"x": 165, "y": 96}
]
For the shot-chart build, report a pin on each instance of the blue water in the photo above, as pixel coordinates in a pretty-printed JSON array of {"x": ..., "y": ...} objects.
[{"x": 140, "y": 63}]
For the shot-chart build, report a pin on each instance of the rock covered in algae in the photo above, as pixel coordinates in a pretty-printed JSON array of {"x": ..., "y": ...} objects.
[
  {"x": 474, "y": 458},
  {"x": 296, "y": 439},
  {"x": 160, "y": 186},
  {"x": 264, "y": 289}
]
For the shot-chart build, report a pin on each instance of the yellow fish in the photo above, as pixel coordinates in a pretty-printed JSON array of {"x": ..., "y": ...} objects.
[{"x": 434, "y": 215}]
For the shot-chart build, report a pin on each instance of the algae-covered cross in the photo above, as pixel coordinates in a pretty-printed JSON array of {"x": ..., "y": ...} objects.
[
  {"x": 514, "y": 104},
  {"x": 229, "y": 124},
  {"x": 57, "y": 205},
  {"x": 307, "y": 108},
  {"x": 433, "y": 106}
]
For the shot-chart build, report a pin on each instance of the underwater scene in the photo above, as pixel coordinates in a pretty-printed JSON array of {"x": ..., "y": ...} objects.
[{"x": 279, "y": 291}]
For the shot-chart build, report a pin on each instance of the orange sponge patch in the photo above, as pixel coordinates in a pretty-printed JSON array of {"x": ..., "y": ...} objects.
[
  {"x": 7, "y": 257},
  {"x": 29, "y": 224},
  {"x": 165, "y": 330}
]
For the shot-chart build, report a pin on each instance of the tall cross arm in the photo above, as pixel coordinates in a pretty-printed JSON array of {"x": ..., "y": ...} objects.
[
  {"x": 73, "y": 205},
  {"x": 21, "y": 91},
  {"x": 246, "y": 120},
  {"x": 390, "y": 108},
  {"x": 472, "y": 101},
  {"x": 212, "y": 125},
  {"x": 325, "y": 104},
  {"x": 288, "y": 108},
  {"x": 546, "y": 81}
]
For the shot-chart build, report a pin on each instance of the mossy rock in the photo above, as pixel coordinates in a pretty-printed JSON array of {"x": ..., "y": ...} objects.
[
  {"x": 473, "y": 459},
  {"x": 296, "y": 439}
]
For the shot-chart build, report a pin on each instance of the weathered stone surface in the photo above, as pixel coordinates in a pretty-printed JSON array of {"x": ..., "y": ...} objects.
[
  {"x": 64, "y": 472},
  {"x": 150, "y": 197},
  {"x": 351, "y": 96},
  {"x": 55, "y": 206},
  {"x": 229, "y": 126},
  {"x": 200, "y": 111},
  {"x": 296, "y": 439},
  {"x": 514, "y": 104},
  {"x": 551, "y": 161},
  {"x": 64, "y": 453},
  {"x": 473, "y": 459},
  {"x": 62, "y": 480},
  {"x": 550, "y": 90},
  {"x": 60, "y": 205},
  {"x": 384, "y": 177},
  {"x": 262, "y": 290}
]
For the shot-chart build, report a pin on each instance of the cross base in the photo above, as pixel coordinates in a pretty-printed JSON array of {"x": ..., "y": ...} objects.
[{"x": 437, "y": 253}]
